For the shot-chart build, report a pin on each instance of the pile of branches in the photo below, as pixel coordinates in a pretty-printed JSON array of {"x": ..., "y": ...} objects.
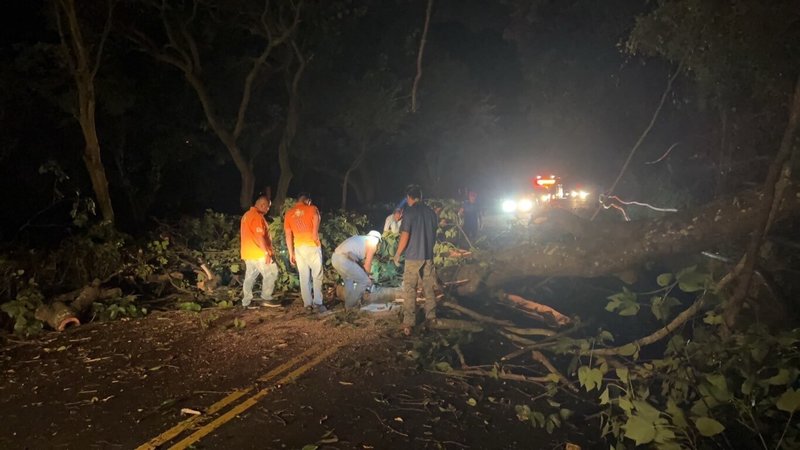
[{"x": 689, "y": 382}]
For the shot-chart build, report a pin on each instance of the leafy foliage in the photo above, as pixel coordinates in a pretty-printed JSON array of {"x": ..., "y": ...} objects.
[
  {"x": 703, "y": 386},
  {"x": 22, "y": 309}
]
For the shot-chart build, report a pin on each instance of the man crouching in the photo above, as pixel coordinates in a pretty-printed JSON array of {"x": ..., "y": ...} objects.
[{"x": 347, "y": 260}]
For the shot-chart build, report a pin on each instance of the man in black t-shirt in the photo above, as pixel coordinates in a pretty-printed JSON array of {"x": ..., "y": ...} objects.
[{"x": 417, "y": 237}]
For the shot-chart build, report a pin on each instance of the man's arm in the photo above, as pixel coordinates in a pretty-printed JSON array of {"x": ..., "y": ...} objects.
[
  {"x": 315, "y": 221},
  {"x": 266, "y": 241},
  {"x": 371, "y": 249},
  {"x": 289, "y": 242},
  {"x": 401, "y": 247}
]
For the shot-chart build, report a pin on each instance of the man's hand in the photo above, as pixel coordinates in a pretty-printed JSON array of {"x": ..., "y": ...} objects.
[
  {"x": 396, "y": 259},
  {"x": 268, "y": 257},
  {"x": 291, "y": 260}
]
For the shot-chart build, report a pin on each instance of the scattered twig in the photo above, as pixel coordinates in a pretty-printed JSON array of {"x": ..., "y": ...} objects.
[
  {"x": 475, "y": 315},
  {"x": 540, "y": 358},
  {"x": 385, "y": 424}
]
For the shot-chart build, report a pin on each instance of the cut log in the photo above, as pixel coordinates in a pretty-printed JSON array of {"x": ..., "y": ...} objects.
[
  {"x": 58, "y": 315},
  {"x": 537, "y": 310},
  {"x": 607, "y": 248}
]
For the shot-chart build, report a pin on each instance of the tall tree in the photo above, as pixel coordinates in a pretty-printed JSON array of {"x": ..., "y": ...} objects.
[
  {"x": 190, "y": 31},
  {"x": 82, "y": 52}
]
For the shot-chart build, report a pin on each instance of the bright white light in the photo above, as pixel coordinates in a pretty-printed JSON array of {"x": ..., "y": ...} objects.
[
  {"x": 546, "y": 197},
  {"x": 583, "y": 195},
  {"x": 509, "y": 206},
  {"x": 573, "y": 194},
  {"x": 525, "y": 205}
]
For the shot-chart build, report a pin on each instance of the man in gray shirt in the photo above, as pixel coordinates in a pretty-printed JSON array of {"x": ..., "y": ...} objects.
[
  {"x": 417, "y": 238},
  {"x": 346, "y": 260}
]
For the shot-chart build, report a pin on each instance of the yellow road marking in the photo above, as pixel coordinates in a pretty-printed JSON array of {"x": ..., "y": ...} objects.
[
  {"x": 173, "y": 432},
  {"x": 247, "y": 404}
]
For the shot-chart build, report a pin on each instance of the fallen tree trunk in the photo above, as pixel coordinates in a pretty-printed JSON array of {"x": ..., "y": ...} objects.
[{"x": 607, "y": 248}]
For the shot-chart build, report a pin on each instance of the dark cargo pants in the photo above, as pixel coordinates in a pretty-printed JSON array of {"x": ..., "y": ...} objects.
[{"x": 416, "y": 270}]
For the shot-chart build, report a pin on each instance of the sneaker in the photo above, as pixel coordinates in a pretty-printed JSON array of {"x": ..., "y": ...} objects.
[
  {"x": 273, "y": 303},
  {"x": 246, "y": 302},
  {"x": 320, "y": 309},
  {"x": 308, "y": 309}
]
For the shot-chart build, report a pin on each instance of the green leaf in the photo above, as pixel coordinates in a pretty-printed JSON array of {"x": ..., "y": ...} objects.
[
  {"x": 662, "y": 306},
  {"x": 708, "y": 427},
  {"x": 664, "y": 279},
  {"x": 590, "y": 378},
  {"x": 629, "y": 310},
  {"x": 678, "y": 418},
  {"x": 443, "y": 366},
  {"x": 622, "y": 374},
  {"x": 689, "y": 280},
  {"x": 189, "y": 306},
  {"x": 712, "y": 318},
  {"x": 646, "y": 410},
  {"x": 789, "y": 401},
  {"x": 605, "y": 336},
  {"x": 781, "y": 378},
  {"x": 628, "y": 349},
  {"x": 640, "y": 430},
  {"x": 604, "y": 397},
  {"x": 625, "y": 404}
]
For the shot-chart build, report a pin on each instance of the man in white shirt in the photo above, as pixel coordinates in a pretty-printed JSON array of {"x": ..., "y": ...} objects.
[{"x": 394, "y": 221}]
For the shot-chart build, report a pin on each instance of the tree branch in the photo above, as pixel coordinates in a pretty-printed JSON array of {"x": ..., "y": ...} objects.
[
  {"x": 644, "y": 133},
  {"x": 422, "y": 41},
  {"x": 103, "y": 38}
]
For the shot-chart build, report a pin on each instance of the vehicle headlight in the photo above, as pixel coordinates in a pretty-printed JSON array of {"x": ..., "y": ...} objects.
[
  {"x": 509, "y": 206},
  {"x": 525, "y": 205},
  {"x": 546, "y": 197},
  {"x": 583, "y": 195}
]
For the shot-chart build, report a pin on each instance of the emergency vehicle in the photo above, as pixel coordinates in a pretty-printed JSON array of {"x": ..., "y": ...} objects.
[{"x": 547, "y": 191}]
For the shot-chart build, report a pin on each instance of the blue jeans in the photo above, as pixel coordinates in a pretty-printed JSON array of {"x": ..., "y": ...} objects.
[
  {"x": 356, "y": 280},
  {"x": 269, "y": 274},
  {"x": 309, "y": 268}
]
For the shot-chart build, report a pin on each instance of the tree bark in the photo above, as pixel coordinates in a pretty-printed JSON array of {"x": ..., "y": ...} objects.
[
  {"x": 83, "y": 67},
  {"x": 353, "y": 166},
  {"x": 292, "y": 118},
  {"x": 607, "y": 248}
]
